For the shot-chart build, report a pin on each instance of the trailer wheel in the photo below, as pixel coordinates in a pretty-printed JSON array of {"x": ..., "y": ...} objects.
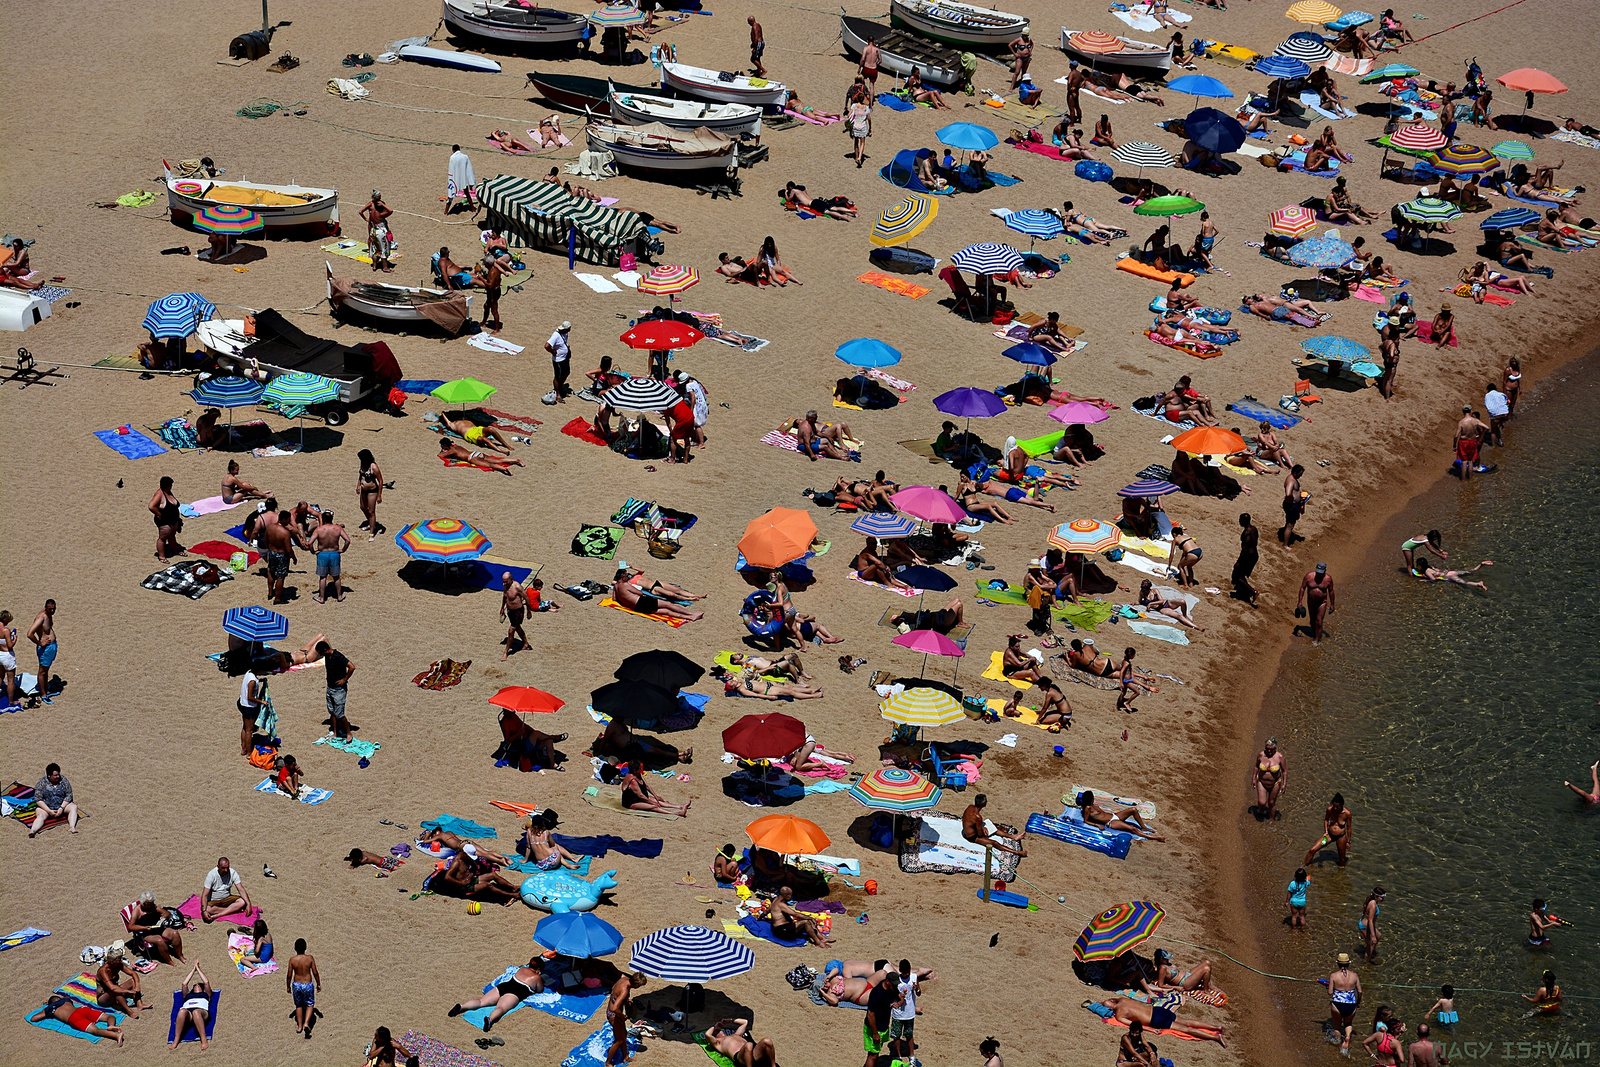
[{"x": 337, "y": 415}]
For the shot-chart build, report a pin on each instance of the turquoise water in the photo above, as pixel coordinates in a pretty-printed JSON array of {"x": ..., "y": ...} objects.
[{"x": 1449, "y": 718}]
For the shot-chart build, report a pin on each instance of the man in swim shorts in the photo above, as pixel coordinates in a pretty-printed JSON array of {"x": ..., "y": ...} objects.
[
  {"x": 513, "y": 608},
  {"x": 630, "y": 596},
  {"x": 277, "y": 548},
  {"x": 43, "y": 635},
  {"x": 87, "y": 1020},
  {"x": 1470, "y": 432},
  {"x": 329, "y": 539},
  {"x": 303, "y": 982},
  {"x": 1316, "y": 598},
  {"x": 1344, "y": 994}
]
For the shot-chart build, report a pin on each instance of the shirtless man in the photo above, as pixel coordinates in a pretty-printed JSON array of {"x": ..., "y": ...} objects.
[
  {"x": 1344, "y": 993},
  {"x": 236, "y": 489},
  {"x": 277, "y": 548},
  {"x": 474, "y": 876},
  {"x": 816, "y": 440},
  {"x": 790, "y": 924},
  {"x": 304, "y": 982},
  {"x": 380, "y": 235},
  {"x": 617, "y": 1013},
  {"x": 1316, "y": 596},
  {"x": 1125, "y": 820},
  {"x": 1423, "y": 1052},
  {"x": 513, "y": 608},
  {"x": 870, "y": 57},
  {"x": 457, "y": 843},
  {"x": 633, "y": 598},
  {"x": 1269, "y": 776},
  {"x": 975, "y": 827},
  {"x": 1128, "y": 1010},
  {"x": 1470, "y": 434},
  {"x": 1015, "y": 663},
  {"x": 1075, "y": 83},
  {"x": 1337, "y": 826},
  {"x": 454, "y": 450},
  {"x": 731, "y": 1038},
  {"x": 43, "y": 635},
  {"x": 329, "y": 540},
  {"x": 117, "y": 986},
  {"x": 477, "y": 436}
]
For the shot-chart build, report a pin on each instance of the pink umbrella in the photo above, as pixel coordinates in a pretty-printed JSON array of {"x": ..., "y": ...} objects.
[
  {"x": 929, "y": 643},
  {"x": 1079, "y": 413},
  {"x": 928, "y": 503}
]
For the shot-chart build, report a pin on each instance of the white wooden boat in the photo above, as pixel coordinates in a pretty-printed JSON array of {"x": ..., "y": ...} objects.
[
  {"x": 639, "y": 109},
  {"x": 704, "y": 84},
  {"x": 655, "y": 147},
  {"x": 1135, "y": 54},
  {"x": 223, "y": 337},
  {"x": 21, "y": 308},
  {"x": 393, "y": 303},
  {"x": 444, "y": 57},
  {"x": 945, "y": 20},
  {"x": 280, "y": 206},
  {"x": 899, "y": 52},
  {"x": 513, "y": 22}
]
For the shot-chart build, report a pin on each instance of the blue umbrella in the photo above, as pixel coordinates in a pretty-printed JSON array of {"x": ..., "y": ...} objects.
[
  {"x": 1341, "y": 349},
  {"x": 1031, "y": 354},
  {"x": 867, "y": 352},
  {"x": 1509, "y": 219},
  {"x": 580, "y": 934},
  {"x": 1321, "y": 252},
  {"x": 690, "y": 954},
  {"x": 1282, "y": 67},
  {"x": 1198, "y": 85},
  {"x": 927, "y": 579},
  {"x": 1035, "y": 223},
  {"x": 885, "y": 524},
  {"x": 968, "y": 136},
  {"x": 255, "y": 624},
  {"x": 177, "y": 315},
  {"x": 1213, "y": 130},
  {"x": 228, "y": 392}
]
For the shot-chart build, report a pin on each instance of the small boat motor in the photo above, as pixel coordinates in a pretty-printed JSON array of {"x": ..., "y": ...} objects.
[{"x": 256, "y": 43}]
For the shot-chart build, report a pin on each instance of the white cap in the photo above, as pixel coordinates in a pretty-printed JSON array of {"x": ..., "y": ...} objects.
[
  {"x": 564, "y": 327},
  {"x": 470, "y": 849}
]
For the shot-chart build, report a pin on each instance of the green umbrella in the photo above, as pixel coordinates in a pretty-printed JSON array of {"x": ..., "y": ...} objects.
[
  {"x": 1509, "y": 150},
  {"x": 1428, "y": 209},
  {"x": 464, "y": 391},
  {"x": 1169, "y": 205}
]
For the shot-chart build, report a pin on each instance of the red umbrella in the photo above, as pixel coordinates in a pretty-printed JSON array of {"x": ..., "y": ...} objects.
[
  {"x": 525, "y": 699},
  {"x": 659, "y": 335},
  {"x": 764, "y": 736}
]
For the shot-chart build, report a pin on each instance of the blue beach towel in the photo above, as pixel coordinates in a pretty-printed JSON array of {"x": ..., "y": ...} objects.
[
  {"x": 419, "y": 386},
  {"x": 310, "y": 796},
  {"x": 895, "y": 103},
  {"x": 460, "y": 827},
  {"x": 562, "y": 1005},
  {"x": 645, "y": 848},
  {"x": 26, "y": 935},
  {"x": 51, "y": 1023},
  {"x": 1277, "y": 418},
  {"x": 763, "y": 929},
  {"x": 178, "y": 997},
  {"x": 591, "y": 1051},
  {"x": 133, "y": 444}
]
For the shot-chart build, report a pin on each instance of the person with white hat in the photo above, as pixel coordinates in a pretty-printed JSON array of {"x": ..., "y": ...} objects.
[{"x": 561, "y": 360}]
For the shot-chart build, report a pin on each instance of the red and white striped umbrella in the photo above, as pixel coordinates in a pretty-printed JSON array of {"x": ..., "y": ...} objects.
[
  {"x": 1097, "y": 42},
  {"x": 1418, "y": 137},
  {"x": 1292, "y": 221},
  {"x": 668, "y": 279}
]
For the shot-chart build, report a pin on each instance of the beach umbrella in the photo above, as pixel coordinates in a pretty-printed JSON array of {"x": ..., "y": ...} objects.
[
  {"x": 642, "y": 394},
  {"x": 1512, "y": 150},
  {"x": 867, "y": 352},
  {"x": 443, "y": 541},
  {"x": 526, "y": 700},
  {"x": 1209, "y": 441},
  {"x": 616, "y": 15},
  {"x": 1035, "y": 223},
  {"x": 968, "y": 136},
  {"x": 1143, "y": 154},
  {"x": 1214, "y": 130},
  {"x": 1148, "y": 488},
  {"x": 929, "y": 643},
  {"x": 787, "y": 835},
  {"x": 1084, "y": 536},
  {"x": 1336, "y": 348},
  {"x": 1531, "y": 80},
  {"x": 1510, "y": 218},
  {"x": 1031, "y": 354},
  {"x": 1198, "y": 85},
  {"x": 969, "y": 401},
  {"x": 1429, "y": 209},
  {"x": 1166, "y": 206},
  {"x": 927, "y": 579},
  {"x": 255, "y": 624},
  {"x": 771, "y": 736},
  {"x": 1292, "y": 221},
  {"x": 232, "y": 220},
  {"x": 922, "y": 706},
  {"x": 1418, "y": 138},
  {"x": 579, "y": 934},
  {"x": 884, "y": 524},
  {"x": 901, "y": 222},
  {"x": 1321, "y": 252},
  {"x": 634, "y": 700},
  {"x": 1281, "y": 67},
  {"x": 662, "y": 667},
  {"x": 690, "y": 954},
  {"x": 1465, "y": 159},
  {"x": 929, "y": 504},
  {"x": 987, "y": 257},
  {"x": 1080, "y": 413},
  {"x": 464, "y": 391},
  {"x": 299, "y": 389},
  {"x": 659, "y": 335},
  {"x": 781, "y": 535},
  {"x": 896, "y": 789},
  {"x": 177, "y": 315},
  {"x": 1313, "y": 12},
  {"x": 1096, "y": 42},
  {"x": 1350, "y": 20},
  {"x": 1116, "y": 930},
  {"x": 1309, "y": 48},
  {"x": 668, "y": 279},
  {"x": 231, "y": 391},
  {"x": 1389, "y": 71}
]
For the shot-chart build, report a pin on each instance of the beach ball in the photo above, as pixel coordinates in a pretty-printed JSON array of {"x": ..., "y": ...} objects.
[{"x": 473, "y": 907}]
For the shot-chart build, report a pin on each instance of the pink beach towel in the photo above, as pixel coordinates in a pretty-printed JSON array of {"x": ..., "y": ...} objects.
[
  {"x": 1425, "y": 334},
  {"x": 211, "y": 505},
  {"x": 191, "y": 908}
]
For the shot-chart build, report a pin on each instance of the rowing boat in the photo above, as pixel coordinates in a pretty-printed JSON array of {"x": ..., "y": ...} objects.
[
  {"x": 964, "y": 24},
  {"x": 515, "y": 23},
  {"x": 574, "y": 92},
  {"x": 639, "y": 109},
  {"x": 705, "y": 84},
  {"x": 280, "y": 206},
  {"x": 399, "y": 303},
  {"x": 654, "y": 147},
  {"x": 1141, "y": 55},
  {"x": 900, "y": 52}
]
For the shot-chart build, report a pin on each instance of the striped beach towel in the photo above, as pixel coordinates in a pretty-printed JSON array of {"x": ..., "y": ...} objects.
[{"x": 307, "y": 795}]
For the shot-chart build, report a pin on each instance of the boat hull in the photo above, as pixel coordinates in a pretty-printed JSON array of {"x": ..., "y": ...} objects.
[
  {"x": 540, "y": 26},
  {"x": 680, "y": 79},
  {"x": 388, "y": 312},
  {"x": 321, "y": 209},
  {"x": 898, "y": 53},
  {"x": 633, "y": 109},
  {"x": 1143, "y": 55},
  {"x": 986, "y": 29},
  {"x": 442, "y": 57},
  {"x": 577, "y": 93},
  {"x": 664, "y": 162}
]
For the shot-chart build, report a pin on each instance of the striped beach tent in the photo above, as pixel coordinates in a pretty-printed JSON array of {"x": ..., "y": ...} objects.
[{"x": 535, "y": 214}]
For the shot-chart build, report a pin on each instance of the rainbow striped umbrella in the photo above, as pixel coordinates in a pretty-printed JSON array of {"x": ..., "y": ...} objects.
[
  {"x": 896, "y": 789},
  {"x": 443, "y": 541},
  {"x": 669, "y": 279},
  {"x": 1465, "y": 159},
  {"x": 1313, "y": 12},
  {"x": 1116, "y": 930},
  {"x": 1509, "y": 150},
  {"x": 1096, "y": 42},
  {"x": 233, "y": 220},
  {"x": 1418, "y": 138},
  {"x": 922, "y": 707},
  {"x": 1084, "y": 535},
  {"x": 1292, "y": 221},
  {"x": 616, "y": 15},
  {"x": 903, "y": 221}
]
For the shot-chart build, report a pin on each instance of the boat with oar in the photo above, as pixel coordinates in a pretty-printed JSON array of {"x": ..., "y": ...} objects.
[
  {"x": 399, "y": 303},
  {"x": 900, "y": 52},
  {"x": 945, "y": 20}
]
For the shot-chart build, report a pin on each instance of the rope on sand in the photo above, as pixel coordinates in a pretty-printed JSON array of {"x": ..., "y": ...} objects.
[{"x": 1458, "y": 25}]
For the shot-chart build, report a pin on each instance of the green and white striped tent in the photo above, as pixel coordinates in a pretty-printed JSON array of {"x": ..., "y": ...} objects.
[{"x": 536, "y": 214}]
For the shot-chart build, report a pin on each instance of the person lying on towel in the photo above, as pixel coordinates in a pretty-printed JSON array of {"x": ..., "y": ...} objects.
[{"x": 453, "y": 450}]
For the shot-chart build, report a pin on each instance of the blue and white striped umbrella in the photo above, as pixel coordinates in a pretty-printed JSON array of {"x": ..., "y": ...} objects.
[
  {"x": 1148, "y": 488},
  {"x": 1336, "y": 348},
  {"x": 988, "y": 258},
  {"x": 1282, "y": 67},
  {"x": 300, "y": 388},
  {"x": 229, "y": 392},
  {"x": 886, "y": 524},
  {"x": 1306, "y": 46},
  {"x": 255, "y": 624},
  {"x": 1034, "y": 223},
  {"x": 1509, "y": 218},
  {"x": 690, "y": 954},
  {"x": 1321, "y": 252},
  {"x": 177, "y": 315}
]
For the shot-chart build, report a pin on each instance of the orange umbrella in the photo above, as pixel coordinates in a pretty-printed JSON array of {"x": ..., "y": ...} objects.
[
  {"x": 525, "y": 699},
  {"x": 1209, "y": 441},
  {"x": 787, "y": 835},
  {"x": 1531, "y": 80},
  {"x": 780, "y": 536}
]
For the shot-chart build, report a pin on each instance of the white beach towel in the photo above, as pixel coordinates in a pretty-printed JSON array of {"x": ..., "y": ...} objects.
[
  {"x": 490, "y": 343},
  {"x": 941, "y": 843},
  {"x": 461, "y": 176},
  {"x": 598, "y": 282},
  {"x": 1138, "y": 16},
  {"x": 630, "y": 278}
]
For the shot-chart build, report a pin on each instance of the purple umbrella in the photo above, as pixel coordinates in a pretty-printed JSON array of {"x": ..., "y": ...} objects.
[{"x": 970, "y": 402}]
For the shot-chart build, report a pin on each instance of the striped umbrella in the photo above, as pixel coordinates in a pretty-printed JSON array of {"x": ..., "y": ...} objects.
[
  {"x": 1084, "y": 535},
  {"x": 1312, "y": 12},
  {"x": 1115, "y": 931},
  {"x": 1390, "y": 70},
  {"x": 1307, "y": 47},
  {"x": 1465, "y": 159},
  {"x": 668, "y": 279},
  {"x": 255, "y": 624},
  {"x": 1096, "y": 42},
  {"x": 1142, "y": 154},
  {"x": 868, "y": 352},
  {"x": 1417, "y": 138},
  {"x": 228, "y": 392},
  {"x": 1510, "y": 150},
  {"x": 1080, "y": 413},
  {"x": 1148, "y": 488},
  {"x": 1167, "y": 206},
  {"x": 1035, "y": 223},
  {"x": 896, "y": 789},
  {"x": 616, "y": 15},
  {"x": 177, "y": 315},
  {"x": 233, "y": 220},
  {"x": 1429, "y": 209},
  {"x": 579, "y": 934},
  {"x": 922, "y": 707},
  {"x": 1336, "y": 348},
  {"x": 299, "y": 388},
  {"x": 641, "y": 394},
  {"x": 1510, "y": 218},
  {"x": 904, "y": 220},
  {"x": 787, "y": 835},
  {"x": 1321, "y": 252},
  {"x": 1292, "y": 221},
  {"x": 690, "y": 954},
  {"x": 443, "y": 541},
  {"x": 1281, "y": 67},
  {"x": 885, "y": 524},
  {"x": 987, "y": 257}
]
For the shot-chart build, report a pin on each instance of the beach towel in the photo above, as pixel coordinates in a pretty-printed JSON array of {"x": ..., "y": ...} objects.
[
  {"x": 645, "y": 848},
  {"x": 1170, "y": 634},
  {"x": 610, "y": 797},
  {"x": 1574, "y": 137},
  {"x": 460, "y": 827},
  {"x": 1146, "y": 566},
  {"x": 1087, "y": 613},
  {"x": 1425, "y": 335},
  {"x": 597, "y": 542},
  {"x": 899, "y": 286},
  {"x": 598, "y": 282},
  {"x": 1179, "y": 1034},
  {"x": 592, "y": 1050},
  {"x": 1197, "y": 348},
  {"x": 364, "y": 749},
  {"x": 583, "y": 431},
  {"x": 19, "y": 801},
  {"x": 431, "y": 1052},
  {"x": 177, "y": 435},
  {"x": 419, "y": 386},
  {"x": 180, "y": 579},
  {"x": 898, "y": 384},
  {"x": 1146, "y": 808},
  {"x": 1530, "y": 241},
  {"x": 781, "y": 439},
  {"x": 939, "y": 848},
  {"x": 1370, "y": 294},
  {"x": 442, "y": 674},
  {"x": 763, "y": 929},
  {"x": 222, "y": 551},
  {"x": 609, "y": 602},
  {"x": 1310, "y": 98},
  {"x": 855, "y": 577},
  {"x": 995, "y": 672},
  {"x": 80, "y": 987},
  {"x": 1275, "y": 417},
  {"x": 491, "y": 343},
  {"x": 129, "y": 442},
  {"x": 178, "y": 997},
  {"x": 191, "y": 909},
  {"x": 895, "y": 103},
  {"x": 725, "y": 661},
  {"x": 307, "y": 795},
  {"x": 1109, "y": 842},
  {"x": 1138, "y": 17},
  {"x": 239, "y": 945},
  {"x": 562, "y": 1005},
  {"x": 356, "y": 250},
  {"x": 1029, "y": 716},
  {"x": 814, "y": 993},
  {"x": 1296, "y": 163},
  {"x": 49, "y": 1022},
  {"x": 27, "y": 935}
]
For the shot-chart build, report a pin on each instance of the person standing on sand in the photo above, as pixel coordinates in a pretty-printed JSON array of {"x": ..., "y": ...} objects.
[
  {"x": 1468, "y": 440},
  {"x": 461, "y": 182},
  {"x": 513, "y": 609},
  {"x": 369, "y": 491},
  {"x": 1338, "y": 825},
  {"x": 1316, "y": 597},
  {"x": 329, "y": 540},
  {"x": 339, "y": 671},
  {"x": 1294, "y": 504},
  {"x": 8, "y": 660},
  {"x": 560, "y": 360},
  {"x": 489, "y": 276},
  {"x": 277, "y": 546},
  {"x": 380, "y": 235},
  {"x": 1022, "y": 53},
  {"x": 1269, "y": 776},
  {"x": 758, "y": 46},
  {"x": 1245, "y": 565},
  {"x": 43, "y": 635},
  {"x": 304, "y": 982},
  {"x": 869, "y": 66},
  {"x": 617, "y": 1007},
  {"x": 1075, "y": 82},
  {"x": 1344, "y": 993}
]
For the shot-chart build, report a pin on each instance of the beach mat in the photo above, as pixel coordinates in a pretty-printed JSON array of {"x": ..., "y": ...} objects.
[
  {"x": 1114, "y": 844},
  {"x": 431, "y": 1052},
  {"x": 132, "y": 444},
  {"x": 855, "y": 577},
  {"x": 893, "y": 284},
  {"x": 1275, "y": 417},
  {"x": 178, "y": 997},
  {"x": 608, "y": 602},
  {"x": 1087, "y": 614},
  {"x": 561, "y": 1005},
  {"x": 610, "y": 797},
  {"x": 208, "y": 506},
  {"x": 307, "y": 794},
  {"x": 190, "y": 909}
]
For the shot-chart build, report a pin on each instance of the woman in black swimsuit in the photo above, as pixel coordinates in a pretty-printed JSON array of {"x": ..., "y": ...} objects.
[
  {"x": 164, "y": 506},
  {"x": 637, "y": 795},
  {"x": 510, "y": 991},
  {"x": 369, "y": 492},
  {"x": 1185, "y": 554}
]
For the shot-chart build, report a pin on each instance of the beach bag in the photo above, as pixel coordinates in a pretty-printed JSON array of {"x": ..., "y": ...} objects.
[
  {"x": 627, "y": 261},
  {"x": 801, "y": 977},
  {"x": 1092, "y": 170}
]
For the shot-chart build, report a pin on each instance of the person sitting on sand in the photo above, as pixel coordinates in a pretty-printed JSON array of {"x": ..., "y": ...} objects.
[
  {"x": 471, "y": 432},
  {"x": 922, "y": 94},
  {"x": 1017, "y": 664},
  {"x": 727, "y": 868},
  {"x": 507, "y": 993},
  {"x": 1516, "y": 256},
  {"x": 637, "y": 795},
  {"x": 86, "y": 1020},
  {"x": 1130, "y": 1011},
  {"x": 1124, "y": 820},
  {"x": 236, "y": 490},
  {"x": 117, "y": 986},
  {"x": 792, "y": 925},
  {"x": 869, "y": 567},
  {"x": 472, "y": 875},
  {"x": 1339, "y": 207},
  {"x": 448, "y": 273},
  {"x": 149, "y": 935},
  {"x": 1054, "y": 713},
  {"x": 1151, "y": 600},
  {"x": 455, "y": 451},
  {"x": 510, "y": 144},
  {"x": 14, "y": 272},
  {"x": 977, "y": 828},
  {"x": 360, "y": 857},
  {"x": 1016, "y": 469},
  {"x": 1168, "y": 976},
  {"x": 1183, "y": 403},
  {"x": 545, "y": 853},
  {"x": 1102, "y": 133},
  {"x": 940, "y": 620},
  {"x": 1421, "y": 569},
  {"x": 1068, "y": 140}
]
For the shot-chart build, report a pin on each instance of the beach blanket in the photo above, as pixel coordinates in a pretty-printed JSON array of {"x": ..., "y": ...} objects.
[
  {"x": 592, "y": 1050},
  {"x": 763, "y": 929},
  {"x": 1146, "y": 566},
  {"x": 129, "y": 442},
  {"x": 939, "y": 848},
  {"x": 895, "y": 103},
  {"x": 525, "y": 424},
  {"x": 1311, "y": 99},
  {"x": 645, "y": 848},
  {"x": 460, "y": 827},
  {"x": 1574, "y": 137},
  {"x": 597, "y": 542},
  {"x": 995, "y": 672},
  {"x": 1170, "y": 634},
  {"x": 356, "y": 250},
  {"x": 1146, "y": 808},
  {"x": 26, "y": 936},
  {"x": 609, "y": 602},
  {"x": 610, "y": 797},
  {"x": 364, "y": 749},
  {"x": 19, "y": 802},
  {"x": 1275, "y": 417},
  {"x": 224, "y": 552},
  {"x": 178, "y": 997},
  {"x": 583, "y": 431},
  {"x": 491, "y": 343},
  {"x": 179, "y": 578},
  {"x": 598, "y": 282},
  {"x": 307, "y": 795},
  {"x": 51, "y": 1023},
  {"x": 191, "y": 909},
  {"x": 239, "y": 945},
  {"x": 894, "y": 284},
  {"x": 1087, "y": 613},
  {"x": 208, "y": 506},
  {"x": 1138, "y": 17},
  {"x": 856, "y": 577},
  {"x": 442, "y": 674},
  {"x": 1111, "y": 843},
  {"x": 431, "y": 1052},
  {"x": 562, "y": 1005}
]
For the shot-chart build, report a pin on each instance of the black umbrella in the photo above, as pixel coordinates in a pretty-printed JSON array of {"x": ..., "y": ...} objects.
[
  {"x": 660, "y": 667},
  {"x": 634, "y": 700}
]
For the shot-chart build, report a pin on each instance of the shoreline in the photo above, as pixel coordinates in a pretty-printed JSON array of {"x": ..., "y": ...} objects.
[{"x": 1243, "y": 926}]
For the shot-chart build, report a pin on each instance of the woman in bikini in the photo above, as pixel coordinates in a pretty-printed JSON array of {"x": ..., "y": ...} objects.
[
  {"x": 545, "y": 853},
  {"x": 1338, "y": 207},
  {"x": 771, "y": 267},
  {"x": 800, "y": 107},
  {"x": 1480, "y": 276},
  {"x": 453, "y": 450},
  {"x": 1086, "y": 227},
  {"x": 1151, "y": 600},
  {"x": 510, "y": 144},
  {"x": 1592, "y": 794},
  {"x": 870, "y": 568},
  {"x": 1185, "y": 554},
  {"x": 921, "y": 94},
  {"x": 787, "y": 664},
  {"x": 195, "y": 1009},
  {"x": 550, "y": 135},
  {"x": 751, "y": 684},
  {"x": 638, "y": 796},
  {"x": 369, "y": 491},
  {"x": 1102, "y": 133},
  {"x": 1512, "y": 385},
  {"x": 236, "y": 490},
  {"x": 1017, "y": 664},
  {"x": 801, "y": 761},
  {"x": 1055, "y": 713},
  {"x": 507, "y": 993}
]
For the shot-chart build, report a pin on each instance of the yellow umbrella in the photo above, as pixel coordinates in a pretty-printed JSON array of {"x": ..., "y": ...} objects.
[
  {"x": 903, "y": 221},
  {"x": 922, "y": 707},
  {"x": 1313, "y": 12}
]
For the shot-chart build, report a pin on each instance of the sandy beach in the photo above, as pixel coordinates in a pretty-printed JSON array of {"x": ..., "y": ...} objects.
[{"x": 145, "y": 728}]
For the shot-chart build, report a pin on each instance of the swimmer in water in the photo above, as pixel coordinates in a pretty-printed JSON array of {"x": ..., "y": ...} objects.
[
  {"x": 1593, "y": 795},
  {"x": 1547, "y": 1001},
  {"x": 1444, "y": 1009},
  {"x": 1420, "y": 569},
  {"x": 1541, "y": 920}
]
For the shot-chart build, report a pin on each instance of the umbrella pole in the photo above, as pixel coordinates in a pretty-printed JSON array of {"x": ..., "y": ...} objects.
[{"x": 988, "y": 870}]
